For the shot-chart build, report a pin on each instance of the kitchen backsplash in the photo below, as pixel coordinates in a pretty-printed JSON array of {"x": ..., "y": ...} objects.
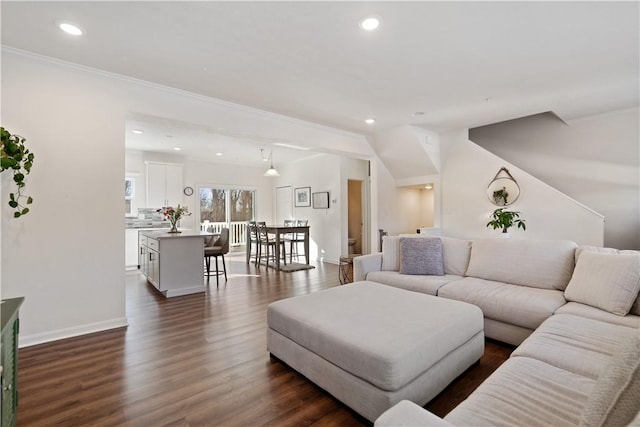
[
  {"x": 147, "y": 218},
  {"x": 150, "y": 213}
]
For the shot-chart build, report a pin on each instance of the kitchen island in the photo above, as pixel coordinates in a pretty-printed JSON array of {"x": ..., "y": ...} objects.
[{"x": 173, "y": 262}]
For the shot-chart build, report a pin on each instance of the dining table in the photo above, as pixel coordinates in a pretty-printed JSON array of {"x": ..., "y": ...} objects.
[{"x": 279, "y": 231}]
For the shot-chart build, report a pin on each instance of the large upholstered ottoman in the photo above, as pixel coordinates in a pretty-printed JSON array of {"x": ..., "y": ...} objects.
[{"x": 372, "y": 345}]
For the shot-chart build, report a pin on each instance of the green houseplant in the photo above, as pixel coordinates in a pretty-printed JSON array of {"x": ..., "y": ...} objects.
[
  {"x": 504, "y": 219},
  {"x": 15, "y": 156}
]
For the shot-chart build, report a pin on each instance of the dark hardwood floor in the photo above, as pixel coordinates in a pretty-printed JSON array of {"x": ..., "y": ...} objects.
[{"x": 197, "y": 360}]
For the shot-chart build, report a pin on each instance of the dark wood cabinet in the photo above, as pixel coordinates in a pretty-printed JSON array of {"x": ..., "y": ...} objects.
[{"x": 9, "y": 360}]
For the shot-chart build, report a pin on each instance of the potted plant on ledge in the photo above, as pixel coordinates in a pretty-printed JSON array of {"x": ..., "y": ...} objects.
[{"x": 504, "y": 219}]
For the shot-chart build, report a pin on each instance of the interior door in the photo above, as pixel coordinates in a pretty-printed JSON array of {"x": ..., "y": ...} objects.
[{"x": 284, "y": 205}]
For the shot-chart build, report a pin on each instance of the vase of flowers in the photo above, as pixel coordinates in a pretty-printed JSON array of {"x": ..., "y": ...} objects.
[{"x": 174, "y": 215}]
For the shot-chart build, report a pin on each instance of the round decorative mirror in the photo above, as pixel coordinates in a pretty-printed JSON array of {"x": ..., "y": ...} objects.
[{"x": 503, "y": 191}]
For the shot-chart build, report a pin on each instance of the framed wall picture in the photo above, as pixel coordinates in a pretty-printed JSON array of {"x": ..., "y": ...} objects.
[
  {"x": 321, "y": 200},
  {"x": 302, "y": 197}
]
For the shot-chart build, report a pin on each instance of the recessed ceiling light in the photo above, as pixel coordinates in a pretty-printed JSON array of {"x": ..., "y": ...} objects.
[
  {"x": 177, "y": 148},
  {"x": 218, "y": 154},
  {"x": 428, "y": 186},
  {"x": 369, "y": 23},
  {"x": 370, "y": 121},
  {"x": 71, "y": 29},
  {"x": 137, "y": 131}
]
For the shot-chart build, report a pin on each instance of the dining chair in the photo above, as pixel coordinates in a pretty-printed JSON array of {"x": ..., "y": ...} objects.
[
  {"x": 287, "y": 237},
  {"x": 296, "y": 239},
  {"x": 254, "y": 242},
  {"x": 219, "y": 247},
  {"x": 268, "y": 244}
]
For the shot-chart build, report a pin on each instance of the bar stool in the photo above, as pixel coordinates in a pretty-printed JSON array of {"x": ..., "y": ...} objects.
[{"x": 218, "y": 249}]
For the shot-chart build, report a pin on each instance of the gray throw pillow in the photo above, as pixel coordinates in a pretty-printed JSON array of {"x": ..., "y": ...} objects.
[{"x": 421, "y": 256}]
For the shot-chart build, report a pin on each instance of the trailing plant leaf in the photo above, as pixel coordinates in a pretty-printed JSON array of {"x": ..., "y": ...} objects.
[{"x": 16, "y": 156}]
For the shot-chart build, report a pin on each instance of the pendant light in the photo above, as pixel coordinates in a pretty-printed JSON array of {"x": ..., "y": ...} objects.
[{"x": 271, "y": 171}]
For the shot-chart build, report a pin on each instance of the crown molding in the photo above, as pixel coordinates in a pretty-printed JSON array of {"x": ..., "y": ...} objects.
[{"x": 179, "y": 92}]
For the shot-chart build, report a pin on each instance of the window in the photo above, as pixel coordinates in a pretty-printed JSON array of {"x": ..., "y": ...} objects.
[
  {"x": 213, "y": 205},
  {"x": 226, "y": 205},
  {"x": 241, "y": 205},
  {"x": 129, "y": 195}
]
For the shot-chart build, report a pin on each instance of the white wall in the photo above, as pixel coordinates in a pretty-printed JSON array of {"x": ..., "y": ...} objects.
[
  {"x": 593, "y": 159},
  {"x": 321, "y": 173},
  {"x": 324, "y": 172},
  {"x": 402, "y": 210},
  {"x": 66, "y": 257},
  {"x": 549, "y": 214},
  {"x": 427, "y": 208}
]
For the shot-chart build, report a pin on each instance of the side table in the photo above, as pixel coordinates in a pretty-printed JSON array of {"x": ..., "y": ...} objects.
[{"x": 345, "y": 269}]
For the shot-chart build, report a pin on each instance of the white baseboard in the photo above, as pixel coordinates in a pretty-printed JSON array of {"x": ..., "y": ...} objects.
[{"x": 29, "y": 340}]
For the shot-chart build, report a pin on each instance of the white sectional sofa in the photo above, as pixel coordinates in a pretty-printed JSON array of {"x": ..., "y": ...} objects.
[{"x": 573, "y": 311}]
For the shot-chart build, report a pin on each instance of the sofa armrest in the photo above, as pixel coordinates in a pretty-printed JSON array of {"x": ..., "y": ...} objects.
[
  {"x": 408, "y": 414},
  {"x": 364, "y": 264}
]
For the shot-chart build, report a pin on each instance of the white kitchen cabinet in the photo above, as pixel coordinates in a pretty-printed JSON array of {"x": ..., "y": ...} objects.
[
  {"x": 135, "y": 248},
  {"x": 174, "y": 185},
  {"x": 143, "y": 256},
  {"x": 164, "y": 184}
]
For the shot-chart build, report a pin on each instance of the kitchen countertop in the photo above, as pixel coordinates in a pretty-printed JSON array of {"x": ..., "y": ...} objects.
[
  {"x": 185, "y": 233},
  {"x": 147, "y": 224}
]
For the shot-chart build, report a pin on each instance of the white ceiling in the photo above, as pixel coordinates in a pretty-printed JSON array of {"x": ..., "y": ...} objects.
[
  {"x": 463, "y": 64},
  {"x": 202, "y": 143}
]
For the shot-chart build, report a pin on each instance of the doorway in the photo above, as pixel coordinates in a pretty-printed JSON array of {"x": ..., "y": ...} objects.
[{"x": 354, "y": 215}]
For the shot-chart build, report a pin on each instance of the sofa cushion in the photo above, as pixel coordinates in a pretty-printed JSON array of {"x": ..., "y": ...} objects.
[
  {"x": 615, "y": 399},
  {"x": 635, "y": 309},
  {"x": 390, "y": 253},
  {"x": 607, "y": 281},
  {"x": 421, "y": 256},
  {"x": 424, "y": 284},
  {"x": 525, "y": 392},
  {"x": 407, "y": 414},
  {"x": 517, "y": 305},
  {"x": 545, "y": 264},
  {"x": 576, "y": 344},
  {"x": 455, "y": 254},
  {"x": 589, "y": 312}
]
